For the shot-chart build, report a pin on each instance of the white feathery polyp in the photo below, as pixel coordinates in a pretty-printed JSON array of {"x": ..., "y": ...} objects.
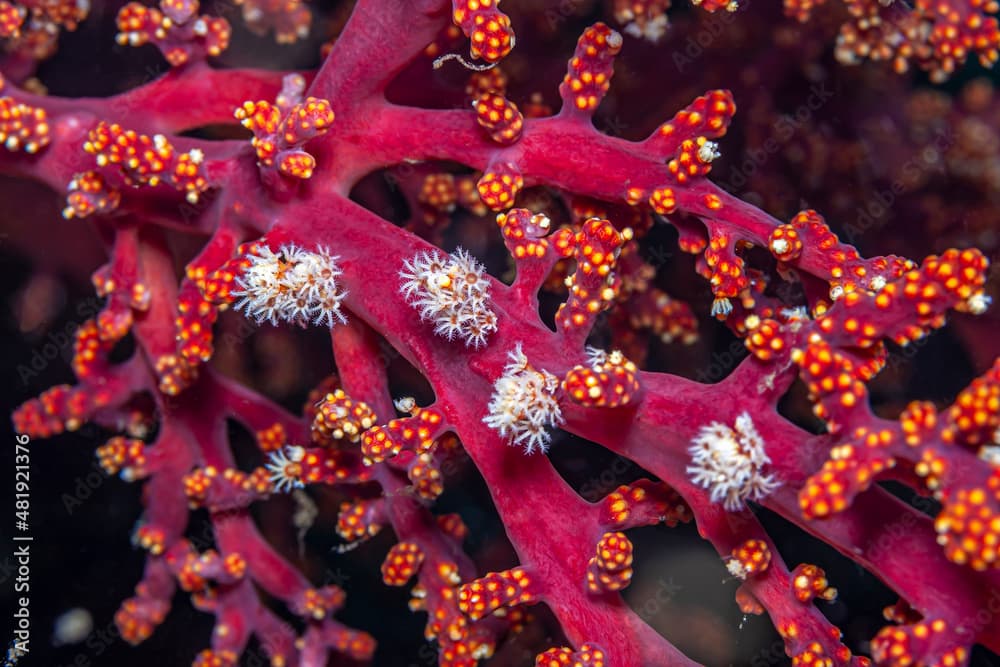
[
  {"x": 293, "y": 285},
  {"x": 729, "y": 462},
  {"x": 452, "y": 292},
  {"x": 523, "y": 406},
  {"x": 283, "y": 464}
]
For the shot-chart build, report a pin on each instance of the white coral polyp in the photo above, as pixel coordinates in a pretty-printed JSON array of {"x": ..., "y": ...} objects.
[
  {"x": 292, "y": 285},
  {"x": 452, "y": 292},
  {"x": 729, "y": 462},
  {"x": 284, "y": 466},
  {"x": 524, "y": 405}
]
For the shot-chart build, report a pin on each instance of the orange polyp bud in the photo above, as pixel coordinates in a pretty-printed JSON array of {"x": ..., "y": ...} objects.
[
  {"x": 179, "y": 11},
  {"x": 749, "y": 558},
  {"x": 259, "y": 117},
  {"x": 91, "y": 346},
  {"x": 920, "y": 296},
  {"x": 835, "y": 383},
  {"x": 426, "y": 477},
  {"x": 23, "y": 127},
  {"x": 693, "y": 159},
  {"x": 918, "y": 422},
  {"x": 644, "y": 503},
  {"x": 708, "y": 116},
  {"x": 318, "y": 603},
  {"x": 11, "y": 19},
  {"x": 306, "y": 120},
  {"x": 593, "y": 287},
  {"x": 402, "y": 563},
  {"x": 147, "y": 160},
  {"x": 663, "y": 200},
  {"x": 297, "y": 164},
  {"x": 378, "y": 444},
  {"x": 177, "y": 30},
  {"x": 210, "y": 658},
  {"x": 968, "y": 526},
  {"x": 611, "y": 568},
  {"x": 588, "y": 76},
  {"x": 418, "y": 433},
  {"x": 453, "y": 526},
  {"x": 126, "y": 456},
  {"x": 500, "y": 118},
  {"x": 151, "y": 538},
  {"x": 499, "y": 186},
  {"x": 814, "y": 655},
  {"x": 272, "y": 438},
  {"x": 487, "y": 28},
  {"x": 716, "y": 5},
  {"x": 194, "y": 322},
  {"x": 524, "y": 232},
  {"x": 785, "y": 243},
  {"x": 217, "y": 286},
  {"x": 725, "y": 271},
  {"x": 226, "y": 489},
  {"x": 923, "y": 642},
  {"x": 852, "y": 469},
  {"x": 361, "y": 519},
  {"x": 90, "y": 194},
  {"x": 589, "y": 655},
  {"x": 439, "y": 192},
  {"x": 484, "y": 596},
  {"x": 767, "y": 340},
  {"x": 974, "y": 417},
  {"x": 609, "y": 381},
  {"x": 290, "y": 19},
  {"x": 281, "y": 129},
  {"x": 175, "y": 374},
  {"x": 493, "y": 80},
  {"x": 340, "y": 418},
  {"x": 197, "y": 484},
  {"x": 138, "y": 616},
  {"x": 61, "y": 408},
  {"x": 747, "y": 603},
  {"x": 809, "y": 582}
]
